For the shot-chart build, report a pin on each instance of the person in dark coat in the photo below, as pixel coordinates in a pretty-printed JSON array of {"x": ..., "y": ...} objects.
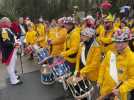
[{"x": 9, "y": 47}]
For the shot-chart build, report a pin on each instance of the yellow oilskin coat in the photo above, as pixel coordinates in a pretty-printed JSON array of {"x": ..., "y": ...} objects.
[
  {"x": 31, "y": 37},
  {"x": 105, "y": 40},
  {"x": 100, "y": 29},
  {"x": 71, "y": 45},
  {"x": 58, "y": 39},
  {"x": 125, "y": 69},
  {"x": 117, "y": 25},
  {"x": 41, "y": 35},
  {"x": 93, "y": 61}
]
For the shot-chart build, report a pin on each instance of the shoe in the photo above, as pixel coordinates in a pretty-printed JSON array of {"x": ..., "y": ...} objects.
[
  {"x": 22, "y": 54},
  {"x": 18, "y": 77},
  {"x": 18, "y": 83}
]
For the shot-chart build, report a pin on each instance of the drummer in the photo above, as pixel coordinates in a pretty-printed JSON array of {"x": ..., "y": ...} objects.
[
  {"x": 57, "y": 38},
  {"x": 116, "y": 71},
  {"x": 105, "y": 37},
  {"x": 30, "y": 37},
  {"x": 72, "y": 42},
  {"x": 91, "y": 67},
  {"x": 87, "y": 38},
  {"x": 41, "y": 33}
]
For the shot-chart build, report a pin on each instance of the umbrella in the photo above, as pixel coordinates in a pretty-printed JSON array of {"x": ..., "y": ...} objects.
[{"x": 106, "y": 5}]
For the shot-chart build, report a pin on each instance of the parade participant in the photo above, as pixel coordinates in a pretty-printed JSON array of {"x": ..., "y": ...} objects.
[
  {"x": 117, "y": 23},
  {"x": 87, "y": 38},
  {"x": 58, "y": 39},
  {"x": 53, "y": 23},
  {"x": 30, "y": 38},
  {"x": 41, "y": 33},
  {"x": 116, "y": 71},
  {"x": 105, "y": 38},
  {"x": 28, "y": 21},
  {"x": 9, "y": 50},
  {"x": 88, "y": 56},
  {"x": 72, "y": 42},
  {"x": 15, "y": 27},
  {"x": 23, "y": 30},
  {"x": 91, "y": 69}
]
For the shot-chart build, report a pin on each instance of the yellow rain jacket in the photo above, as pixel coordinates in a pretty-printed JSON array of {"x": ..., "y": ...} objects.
[
  {"x": 117, "y": 25},
  {"x": 93, "y": 61},
  {"x": 100, "y": 29},
  {"x": 71, "y": 45},
  {"x": 31, "y": 37},
  {"x": 41, "y": 35},
  {"x": 58, "y": 39},
  {"x": 105, "y": 40},
  {"x": 125, "y": 70}
]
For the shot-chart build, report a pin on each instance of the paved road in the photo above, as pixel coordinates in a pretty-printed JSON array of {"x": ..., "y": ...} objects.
[
  {"x": 28, "y": 66},
  {"x": 31, "y": 89}
]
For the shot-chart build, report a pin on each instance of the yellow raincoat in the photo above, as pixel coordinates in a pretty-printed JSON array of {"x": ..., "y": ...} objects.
[
  {"x": 105, "y": 40},
  {"x": 117, "y": 25},
  {"x": 100, "y": 29},
  {"x": 31, "y": 37},
  {"x": 93, "y": 61},
  {"x": 71, "y": 45},
  {"x": 41, "y": 35},
  {"x": 58, "y": 38},
  {"x": 125, "y": 70}
]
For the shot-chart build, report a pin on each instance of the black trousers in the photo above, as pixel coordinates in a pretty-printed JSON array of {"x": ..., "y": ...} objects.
[
  {"x": 131, "y": 45},
  {"x": 132, "y": 95}
]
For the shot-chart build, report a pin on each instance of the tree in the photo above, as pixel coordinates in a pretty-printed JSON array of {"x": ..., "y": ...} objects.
[{"x": 8, "y": 8}]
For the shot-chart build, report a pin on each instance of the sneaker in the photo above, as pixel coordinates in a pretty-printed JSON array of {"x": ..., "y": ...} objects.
[
  {"x": 18, "y": 77},
  {"x": 18, "y": 83},
  {"x": 22, "y": 54}
]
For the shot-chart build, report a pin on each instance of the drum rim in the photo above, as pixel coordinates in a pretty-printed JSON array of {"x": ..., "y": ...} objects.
[
  {"x": 63, "y": 76},
  {"x": 42, "y": 61},
  {"x": 85, "y": 94},
  {"x": 47, "y": 83}
]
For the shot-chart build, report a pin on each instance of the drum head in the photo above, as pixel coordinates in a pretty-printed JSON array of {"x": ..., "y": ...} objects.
[{"x": 79, "y": 87}]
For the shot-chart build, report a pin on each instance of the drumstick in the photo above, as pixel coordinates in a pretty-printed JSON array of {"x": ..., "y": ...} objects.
[{"x": 110, "y": 94}]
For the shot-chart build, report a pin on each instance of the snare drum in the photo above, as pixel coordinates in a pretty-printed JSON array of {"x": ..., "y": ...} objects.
[
  {"x": 28, "y": 50},
  {"x": 43, "y": 55},
  {"x": 61, "y": 70},
  {"x": 47, "y": 77},
  {"x": 80, "y": 88}
]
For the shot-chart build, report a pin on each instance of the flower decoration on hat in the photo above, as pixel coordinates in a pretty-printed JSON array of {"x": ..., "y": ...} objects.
[
  {"x": 5, "y": 23},
  {"x": 122, "y": 35}
]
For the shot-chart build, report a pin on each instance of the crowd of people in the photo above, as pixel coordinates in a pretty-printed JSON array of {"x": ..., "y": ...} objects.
[{"x": 98, "y": 49}]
